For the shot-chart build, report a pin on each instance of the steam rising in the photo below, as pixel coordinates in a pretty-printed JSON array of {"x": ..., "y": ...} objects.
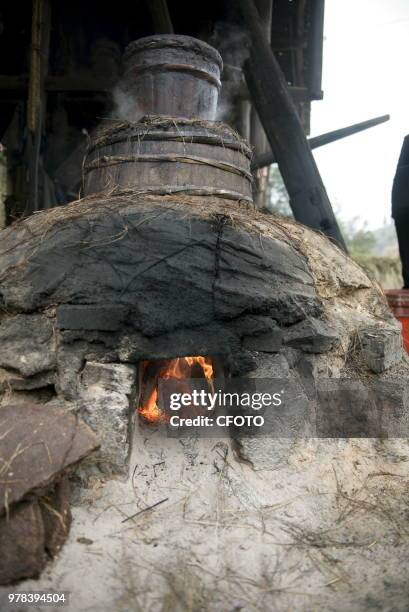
[
  {"x": 125, "y": 106},
  {"x": 232, "y": 42}
]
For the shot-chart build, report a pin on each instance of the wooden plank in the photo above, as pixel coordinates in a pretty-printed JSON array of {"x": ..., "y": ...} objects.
[
  {"x": 323, "y": 139},
  {"x": 269, "y": 92}
]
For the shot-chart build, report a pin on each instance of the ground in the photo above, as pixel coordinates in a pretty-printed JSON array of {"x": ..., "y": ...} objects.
[{"x": 326, "y": 530}]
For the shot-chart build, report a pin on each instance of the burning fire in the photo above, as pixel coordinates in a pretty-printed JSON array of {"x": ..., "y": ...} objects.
[{"x": 180, "y": 368}]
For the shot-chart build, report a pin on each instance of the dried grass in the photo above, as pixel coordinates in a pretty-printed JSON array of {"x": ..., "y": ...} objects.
[
  {"x": 117, "y": 201},
  {"x": 113, "y": 130}
]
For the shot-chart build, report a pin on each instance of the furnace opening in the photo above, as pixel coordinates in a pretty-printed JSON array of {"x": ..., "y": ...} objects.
[{"x": 182, "y": 370}]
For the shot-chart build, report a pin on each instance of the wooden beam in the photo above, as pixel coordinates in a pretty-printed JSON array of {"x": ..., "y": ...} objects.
[
  {"x": 314, "y": 49},
  {"x": 269, "y": 93},
  {"x": 91, "y": 84},
  {"x": 323, "y": 139},
  {"x": 59, "y": 83}
]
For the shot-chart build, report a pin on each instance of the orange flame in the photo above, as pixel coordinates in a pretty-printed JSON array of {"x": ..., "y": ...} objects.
[{"x": 179, "y": 368}]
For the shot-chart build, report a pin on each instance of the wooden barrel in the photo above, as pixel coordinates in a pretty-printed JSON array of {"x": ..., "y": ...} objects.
[
  {"x": 165, "y": 156},
  {"x": 172, "y": 75}
]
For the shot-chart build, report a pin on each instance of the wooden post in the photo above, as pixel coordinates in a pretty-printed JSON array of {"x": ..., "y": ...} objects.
[
  {"x": 269, "y": 93},
  {"x": 258, "y": 137},
  {"x": 40, "y": 39}
]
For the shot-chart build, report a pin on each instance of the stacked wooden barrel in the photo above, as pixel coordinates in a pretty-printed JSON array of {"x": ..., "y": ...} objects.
[
  {"x": 176, "y": 146},
  {"x": 173, "y": 75}
]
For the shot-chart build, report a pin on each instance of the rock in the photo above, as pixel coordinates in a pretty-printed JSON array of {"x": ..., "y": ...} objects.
[
  {"x": 70, "y": 359},
  {"x": 345, "y": 410},
  {"x": 313, "y": 368},
  {"x": 381, "y": 347},
  {"x": 27, "y": 344},
  {"x": 270, "y": 366},
  {"x": 213, "y": 339},
  {"x": 253, "y": 325},
  {"x": 109, "y": 376},
  {"x": 241, "y": 363},
  {"x": 43, "y": 395},
  {"x": 269, "y": 342},
  {"x": 172, "y": 267},
  {"x": 11, "y": 380},
  {"x": 292, "y": 356},
  {"x": 38, "y": 442},
  {"x": 29, "y": 530},
  {"x": 104, "y": 402},
  {"x": 376, "y": 408},
  {"x": 270, "y": 446},
  {"x": 391, "y": 398},
  {"x": 311, "y": 335},
  {"x": 109, "y": 317},
  {"x": 334, "y": 272},
  {"x": 22, "y": 542},
  {"x": 56, "y": 515},
  {"x": 287, "y": 293}
]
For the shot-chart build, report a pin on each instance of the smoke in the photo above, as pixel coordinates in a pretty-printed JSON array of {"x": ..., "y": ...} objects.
[
  {"x": 232, "y": 42},
  {"x": 125, "y": 106},
  {"x": 224, "y": 108}
]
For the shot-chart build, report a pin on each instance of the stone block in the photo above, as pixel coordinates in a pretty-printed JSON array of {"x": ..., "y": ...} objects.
[
  {"x": 11, "y": 380},
  {"x": 213, "y": 339},
  {"x": 269, "y": 342},
  {"x": 271, "y": 448},
  {"x": 22, "y": 543},
  {"x": 311, "y": 335},
  {"x": 104, "y": 403},
  {"x": 253, "y": 325},
  {"x": 53, "y": 440},
  {"x": 70, "y": 360},
  {"x": 116, "y": 377},
  {"x": 109, "y": 317},
  {"x": 381, "y": 348},
  {"x": 27, "y": 344}
]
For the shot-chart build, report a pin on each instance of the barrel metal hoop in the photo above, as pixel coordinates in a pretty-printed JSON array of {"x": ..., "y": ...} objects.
[
  {"x": 171, "y": 41},
  {"x": 210, "y": 139},
  {"x": 113, "y": 160},
  {"x": 152, "y": 68},
  {"x": 166, "y": 190}
]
